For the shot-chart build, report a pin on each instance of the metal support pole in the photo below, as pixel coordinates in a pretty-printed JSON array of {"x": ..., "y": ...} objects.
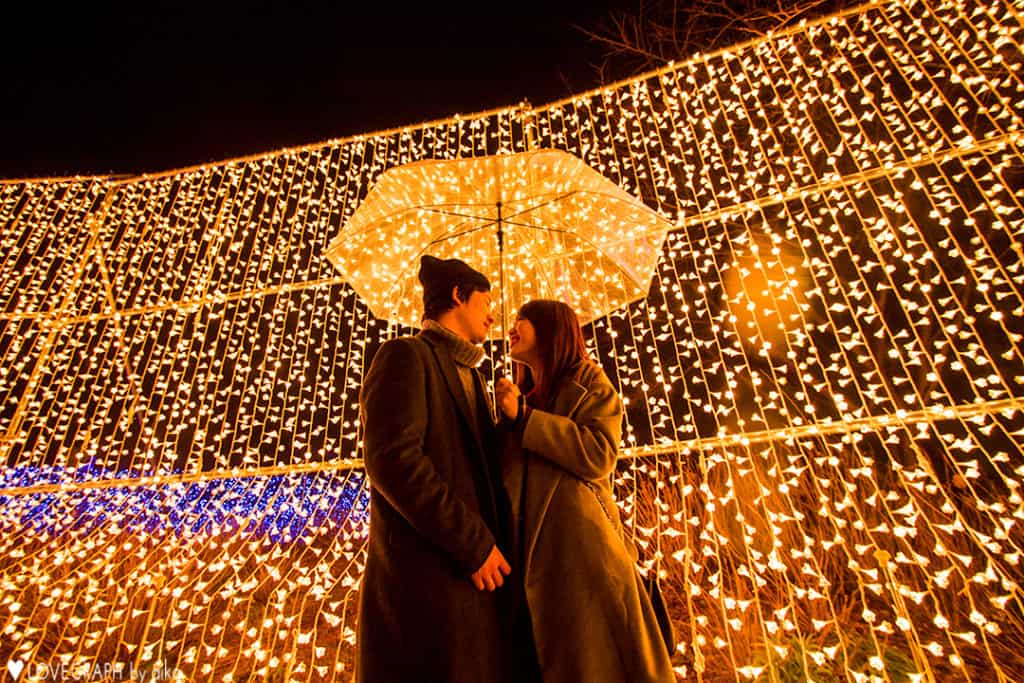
[{"x": 505, "y": 368}]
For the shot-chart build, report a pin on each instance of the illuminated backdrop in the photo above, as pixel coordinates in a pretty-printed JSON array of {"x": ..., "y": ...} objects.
[{"x": 824, "y": 385}]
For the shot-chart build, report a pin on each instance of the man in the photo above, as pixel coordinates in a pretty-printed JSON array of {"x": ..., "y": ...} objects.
[{"x": 428, "y": 611}]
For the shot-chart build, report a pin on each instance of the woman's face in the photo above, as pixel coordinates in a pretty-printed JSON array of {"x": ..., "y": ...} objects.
[{"x": 523, "y": 340}]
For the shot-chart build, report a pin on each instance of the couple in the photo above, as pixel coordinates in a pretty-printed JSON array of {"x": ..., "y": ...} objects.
[{"x": 496, "y": 553}]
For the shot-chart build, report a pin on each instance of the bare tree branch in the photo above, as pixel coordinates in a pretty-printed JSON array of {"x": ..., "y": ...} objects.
[{"x": 660, "y": 31}]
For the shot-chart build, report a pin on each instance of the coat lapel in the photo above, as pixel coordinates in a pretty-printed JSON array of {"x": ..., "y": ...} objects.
[
  {"x": 568, "y": 398},
  {"x": 541, "y": 489},
  {"x": 458, "y": 394}
]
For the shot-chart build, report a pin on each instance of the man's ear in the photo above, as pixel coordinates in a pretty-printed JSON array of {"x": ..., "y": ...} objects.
[{"x": 455, "y": 296}]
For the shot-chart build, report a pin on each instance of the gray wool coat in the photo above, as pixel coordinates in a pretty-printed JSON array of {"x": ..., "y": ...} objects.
[
  {"x": 433, "y": 521},
  {"x": 592, "y": 620}
]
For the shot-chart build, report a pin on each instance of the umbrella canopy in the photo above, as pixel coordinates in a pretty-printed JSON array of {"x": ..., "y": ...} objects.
[{"x": 567, "y": 233}]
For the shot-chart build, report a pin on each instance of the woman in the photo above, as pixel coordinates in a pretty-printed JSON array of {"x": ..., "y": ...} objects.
[{"x": 591, "y": 618}]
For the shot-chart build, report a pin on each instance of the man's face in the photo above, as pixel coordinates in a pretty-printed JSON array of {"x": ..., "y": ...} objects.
[{"x": 475, "y": 317}]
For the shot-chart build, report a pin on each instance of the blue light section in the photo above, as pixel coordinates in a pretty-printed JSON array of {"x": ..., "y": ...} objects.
[{"x": 279, "y": 508}]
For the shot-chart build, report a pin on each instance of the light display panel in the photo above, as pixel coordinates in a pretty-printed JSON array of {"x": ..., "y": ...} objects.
[{"x": 824, "y": 383}]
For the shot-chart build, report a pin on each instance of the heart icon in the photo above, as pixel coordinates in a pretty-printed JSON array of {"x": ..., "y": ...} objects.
[{"x": 15, "y": 668}]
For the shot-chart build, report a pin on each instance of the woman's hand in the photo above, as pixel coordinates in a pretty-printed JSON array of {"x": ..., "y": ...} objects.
[{"x": 506, "y": 393}]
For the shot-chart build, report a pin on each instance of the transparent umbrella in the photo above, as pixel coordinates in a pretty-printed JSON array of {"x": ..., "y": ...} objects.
[{"x": 538, "y": 224}]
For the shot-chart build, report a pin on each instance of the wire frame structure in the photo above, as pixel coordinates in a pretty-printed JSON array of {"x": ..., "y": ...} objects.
[{"x": 824, "y": 385}]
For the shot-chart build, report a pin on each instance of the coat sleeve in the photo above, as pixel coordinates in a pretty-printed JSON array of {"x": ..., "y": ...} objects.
[
  {"x": 394, "y": 408},
  {"x": 586, "y": 445}
]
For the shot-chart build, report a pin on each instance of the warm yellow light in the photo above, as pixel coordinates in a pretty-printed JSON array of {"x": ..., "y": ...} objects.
[{"x": 823, "y": 387}]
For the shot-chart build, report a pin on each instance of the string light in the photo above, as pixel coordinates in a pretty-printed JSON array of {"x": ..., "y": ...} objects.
[{"x": 823, "y": 386}]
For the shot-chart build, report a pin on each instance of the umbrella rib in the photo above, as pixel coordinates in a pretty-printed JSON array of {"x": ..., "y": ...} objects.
[
  {"x": 488, "y": 222},
  {"x": 533, "y": 227},
  {"x": 431, "y": 209},
  {"x": 452, "y": 235},
  {"x": 545, "y": 203},
  {"x": 390, "y": 215},
  {"x": 599, "y": 250},
  {"x": 492, "y": 221}
]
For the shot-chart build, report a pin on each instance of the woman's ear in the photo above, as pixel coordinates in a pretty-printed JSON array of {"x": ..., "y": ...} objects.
[{"x": 455, "y": 296}]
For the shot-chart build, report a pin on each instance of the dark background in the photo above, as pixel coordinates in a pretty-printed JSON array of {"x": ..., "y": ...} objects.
[{"x": 124, "y": 89}]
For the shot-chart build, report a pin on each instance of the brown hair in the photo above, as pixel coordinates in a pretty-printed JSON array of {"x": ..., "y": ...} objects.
[{"x": 560, "y": 348}]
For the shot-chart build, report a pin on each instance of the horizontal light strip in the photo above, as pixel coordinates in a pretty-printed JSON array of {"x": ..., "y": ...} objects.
[{"x": 928, "y": 415}]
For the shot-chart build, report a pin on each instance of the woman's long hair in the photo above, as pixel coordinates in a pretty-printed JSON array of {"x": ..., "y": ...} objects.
[{"x": 560, "y": 348}]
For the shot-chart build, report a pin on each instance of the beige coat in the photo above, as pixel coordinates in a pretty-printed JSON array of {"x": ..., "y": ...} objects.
[{"x": 592, "y": 620}]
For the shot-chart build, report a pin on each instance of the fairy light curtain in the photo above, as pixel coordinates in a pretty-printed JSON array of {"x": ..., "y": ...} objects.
[{"x": 823, "y": 387}]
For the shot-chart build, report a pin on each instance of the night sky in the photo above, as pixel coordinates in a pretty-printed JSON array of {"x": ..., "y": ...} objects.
[{"x": 150, "y": 86}]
